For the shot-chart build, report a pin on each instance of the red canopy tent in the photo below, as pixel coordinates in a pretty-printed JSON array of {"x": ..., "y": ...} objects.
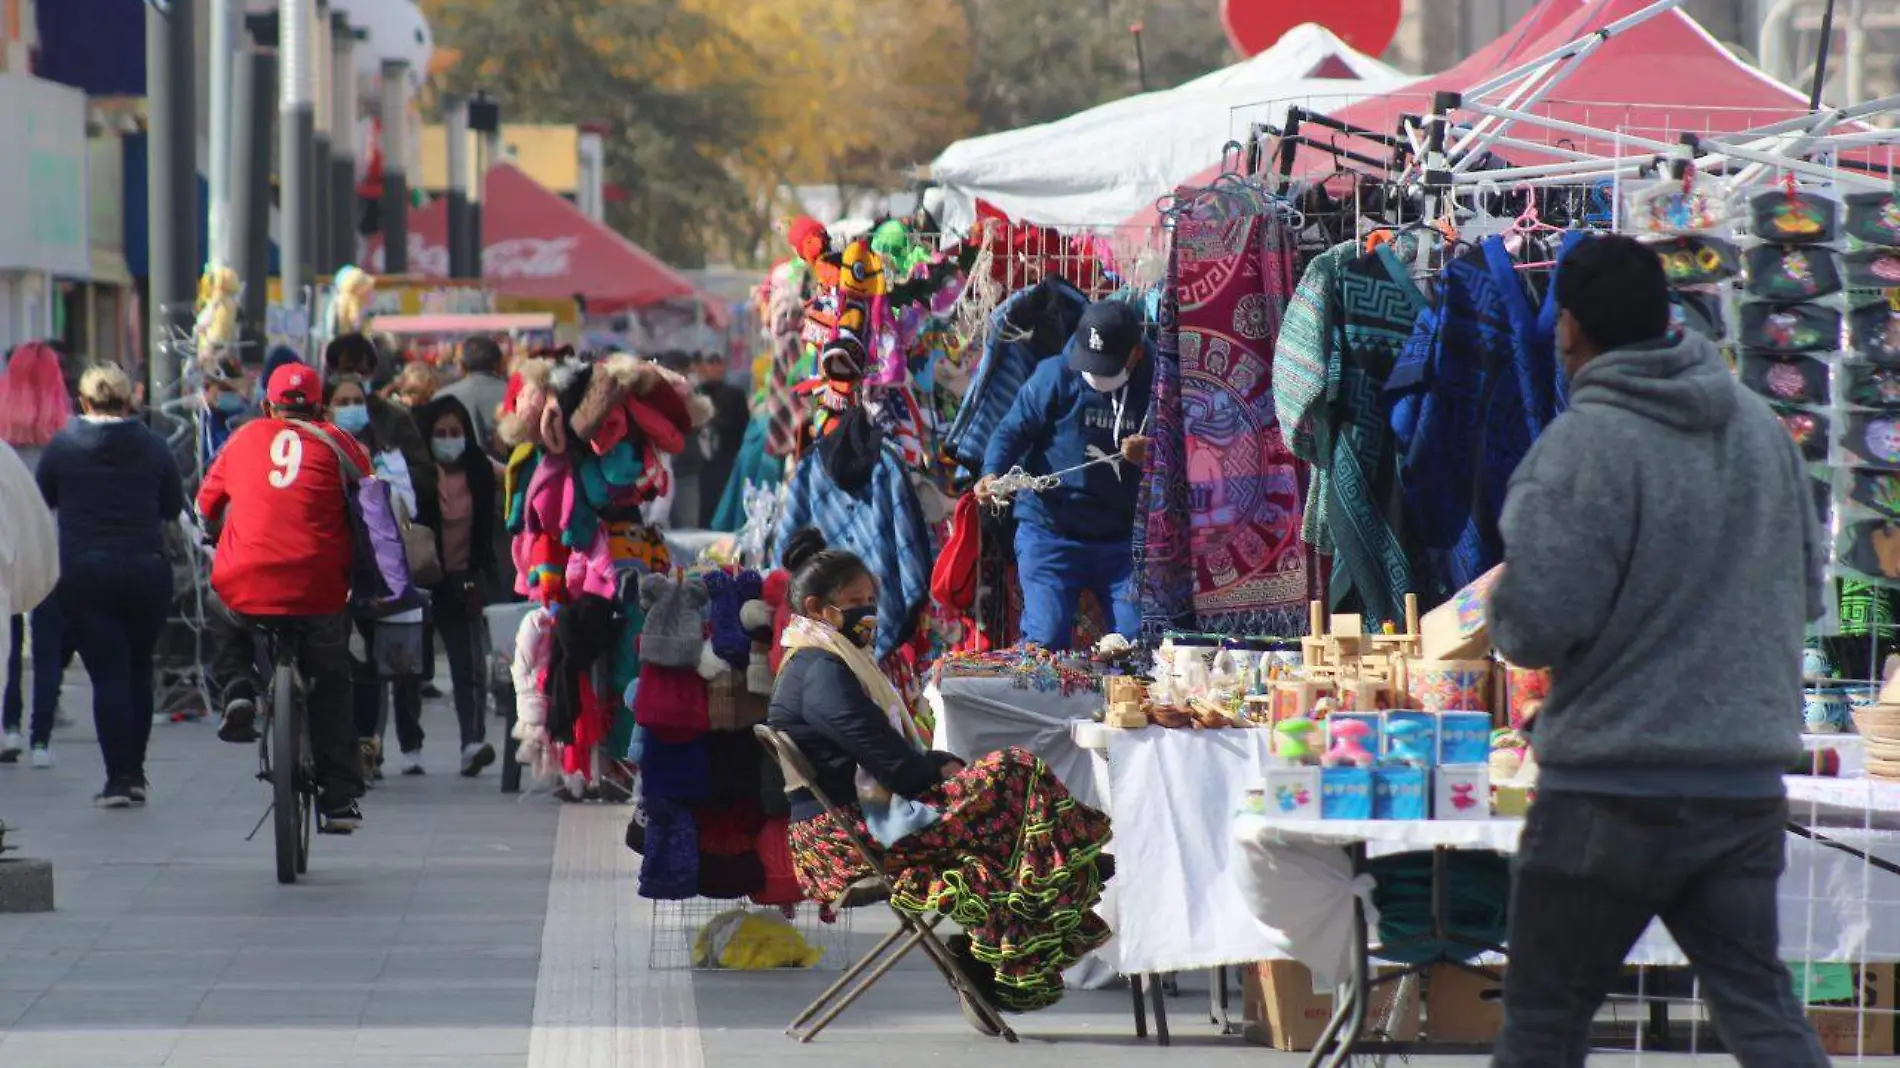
[
  {"x": 1658, "y": 79},
  {"x": 537, "y": 244}
]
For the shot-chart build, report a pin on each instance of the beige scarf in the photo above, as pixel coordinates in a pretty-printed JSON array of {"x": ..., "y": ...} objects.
[{"x": 803, "y": 632}]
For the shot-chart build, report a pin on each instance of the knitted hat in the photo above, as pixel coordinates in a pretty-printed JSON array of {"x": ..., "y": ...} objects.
[
  {"x": 850, "y": 453},
  {"x": 669, "y": 869},
  {"x": 775, "y": 854},
  {"x": 758, "y": 674},
  {"x": 670, "y": 703},
  {"x": 756, "y": 617},
  {"x": 710, "y": 667},
  {"x": 675, "y": 772},
  {"x": 727, "y": 594},
  {"x": 675, "y": 626},
  {"x": 603, "y": 396}
]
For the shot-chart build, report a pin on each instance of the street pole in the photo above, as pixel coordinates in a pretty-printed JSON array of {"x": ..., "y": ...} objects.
[
  {"x": 224, "y": 45},
  {"x": 323, "y": 260},
  {"x": 484, "y": 118},
  {"x": 343, "y": 141},
  {"x": 455, "y": 128},
  {"x": 252, "y": 106},
  {"x": 395, "y": 213},
  {"x": 297, "y": 129},
  {"x": 172, "y": 179}
]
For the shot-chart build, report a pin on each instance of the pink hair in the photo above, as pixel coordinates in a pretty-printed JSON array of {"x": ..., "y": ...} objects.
[{"x": 33, "y": 400}]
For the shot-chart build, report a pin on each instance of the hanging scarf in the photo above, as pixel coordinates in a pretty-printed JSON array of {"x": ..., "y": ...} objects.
[{"x": 888, "y": 817}]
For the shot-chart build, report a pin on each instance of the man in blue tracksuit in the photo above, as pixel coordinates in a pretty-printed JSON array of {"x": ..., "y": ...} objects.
[{"x": 1090, "y": 405}]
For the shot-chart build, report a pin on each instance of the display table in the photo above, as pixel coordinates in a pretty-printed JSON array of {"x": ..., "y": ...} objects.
[
  {"x": 981, "y": 715},
  {"x": 1830, "y": 910}
]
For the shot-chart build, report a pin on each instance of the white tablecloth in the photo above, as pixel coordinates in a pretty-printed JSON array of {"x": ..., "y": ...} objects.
[
  {"x": 1834, "y": 906},
  {"x": 977, "y": 716}
]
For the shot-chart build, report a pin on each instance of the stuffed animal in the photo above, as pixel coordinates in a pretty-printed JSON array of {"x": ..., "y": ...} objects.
[
  {"x": 349, "y": 309},
  {"x": 216, "y": 326},
  {"x": 1512, "y": 763}
]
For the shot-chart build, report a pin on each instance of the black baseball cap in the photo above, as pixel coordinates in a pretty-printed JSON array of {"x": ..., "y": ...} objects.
[{"x": 1108, "y": 332}]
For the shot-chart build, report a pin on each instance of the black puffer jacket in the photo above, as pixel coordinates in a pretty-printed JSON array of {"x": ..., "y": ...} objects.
[{"x": 821, "y": 705}]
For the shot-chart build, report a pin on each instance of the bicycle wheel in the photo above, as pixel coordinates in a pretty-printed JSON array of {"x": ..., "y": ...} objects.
[
  {"x": 286, "y": 806},
  {"x": 306, "y": 787}
]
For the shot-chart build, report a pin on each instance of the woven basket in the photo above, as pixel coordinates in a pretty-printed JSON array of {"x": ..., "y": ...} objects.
[
  {"x": 1878, "y": 721},
  {"x": 1878, "y": 768},
  {"x": 1882, "y": 748}
]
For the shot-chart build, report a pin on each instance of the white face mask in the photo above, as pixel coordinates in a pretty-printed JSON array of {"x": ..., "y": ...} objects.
[{"x": 1105, "y": 384}]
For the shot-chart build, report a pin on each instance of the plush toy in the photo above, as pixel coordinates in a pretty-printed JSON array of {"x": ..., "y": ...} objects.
[
  {"x": 1512, "y": 763},
  {"x": 216, "y": 326},
  {"x": 349, "y": 308}
]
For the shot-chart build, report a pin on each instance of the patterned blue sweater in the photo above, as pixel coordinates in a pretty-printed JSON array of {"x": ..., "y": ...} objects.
[{"x": 882, "y": 523}]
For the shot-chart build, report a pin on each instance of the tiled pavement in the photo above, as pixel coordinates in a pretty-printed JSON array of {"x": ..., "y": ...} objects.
[{"x": 460, "y": 928}]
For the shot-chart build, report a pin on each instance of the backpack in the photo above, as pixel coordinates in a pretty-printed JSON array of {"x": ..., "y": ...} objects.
[{"x": 380, "y": 583}]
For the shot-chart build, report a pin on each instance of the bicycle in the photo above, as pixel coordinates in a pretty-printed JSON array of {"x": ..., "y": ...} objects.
[{"x": 286, "y": 729}]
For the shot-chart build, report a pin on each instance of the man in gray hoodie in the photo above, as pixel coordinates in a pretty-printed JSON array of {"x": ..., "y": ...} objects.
[{"x": 1662, "y": 558}]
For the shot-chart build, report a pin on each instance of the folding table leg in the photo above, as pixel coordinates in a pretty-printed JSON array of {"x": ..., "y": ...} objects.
[
  {"x": 1141, "y": 1008},
  {"x": 1156, "y": 994}
]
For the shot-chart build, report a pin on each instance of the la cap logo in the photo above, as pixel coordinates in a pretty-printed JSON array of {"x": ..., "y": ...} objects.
[{"x": 1096, "y": 344}]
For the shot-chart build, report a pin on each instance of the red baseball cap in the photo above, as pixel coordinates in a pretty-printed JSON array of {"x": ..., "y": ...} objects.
[{"x": 294, "y": 384}]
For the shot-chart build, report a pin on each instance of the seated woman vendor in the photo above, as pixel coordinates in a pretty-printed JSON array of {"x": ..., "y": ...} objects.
[{"x": 999, "y": 846}]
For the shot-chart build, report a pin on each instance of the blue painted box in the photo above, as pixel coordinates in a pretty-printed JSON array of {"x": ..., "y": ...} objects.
[
  {"x": 1345, "y": 794},
  {"x": 1464, "y": 738},
  {"x": 1401, "y": 793}
]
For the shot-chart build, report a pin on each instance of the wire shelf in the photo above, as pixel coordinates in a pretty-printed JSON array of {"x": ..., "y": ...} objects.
[{"x": 677, "y": 923}]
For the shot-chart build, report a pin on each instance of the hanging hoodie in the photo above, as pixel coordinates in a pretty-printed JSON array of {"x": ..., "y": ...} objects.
[
  {"x": 1662, "y": 557},
  {"x": 1025, "y": 331},
  {"x": 1477, "y": 384}
]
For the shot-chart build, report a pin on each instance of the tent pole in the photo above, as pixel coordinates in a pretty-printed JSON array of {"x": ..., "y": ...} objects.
[
  {"x": 1557, "y": 76},
  {"x": 1634, "y": 19},
  {"x": 1820, "y": 63}
]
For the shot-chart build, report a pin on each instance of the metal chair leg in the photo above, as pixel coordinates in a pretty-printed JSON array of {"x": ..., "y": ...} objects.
[
  {"x": 844, "y": 980},
  {"x": 856, "y": 992},
  {"x": 1141, "y": 1007},
  {"x": 1156, "y": 993}
]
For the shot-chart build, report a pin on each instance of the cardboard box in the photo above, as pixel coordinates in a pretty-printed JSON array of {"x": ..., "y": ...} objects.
[
  {"x": 1462, "y": 1008},
  {"x": 1292, "y": 793},
  {"x": 1461, "y": 792},
  {"x": 1456, "y": 629},
  {"x": 1346, "y": 794},
  {"x": 1450, "y": 685},
  {"x": 1464, "y": 737},
  {"x": 1837, "y": 994},
  {"x": 1426, "y": 743},
  {"x": 1282, "y": 1010},
  {"x": 1374, "y": 727},
  {"x": 1401, "y": 793}
]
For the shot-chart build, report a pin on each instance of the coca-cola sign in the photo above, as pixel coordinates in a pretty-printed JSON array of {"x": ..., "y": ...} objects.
[{"x": 522, "y": 257}]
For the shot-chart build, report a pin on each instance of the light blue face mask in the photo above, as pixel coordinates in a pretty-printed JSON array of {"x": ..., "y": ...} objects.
[
  {"x": 448, "y": 450},
  {"x": 230, "y": 403},
  {"x": 353, "y": 418}
]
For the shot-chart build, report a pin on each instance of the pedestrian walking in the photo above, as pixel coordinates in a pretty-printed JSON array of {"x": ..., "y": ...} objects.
[
  {"x": 34, "y": 406},
  {"x": 1662, "y": 557},
  {"x": 114, "y": 484}
]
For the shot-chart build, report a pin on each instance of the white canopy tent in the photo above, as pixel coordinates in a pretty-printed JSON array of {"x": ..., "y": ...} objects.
[{"x": 1100, "y": 166}]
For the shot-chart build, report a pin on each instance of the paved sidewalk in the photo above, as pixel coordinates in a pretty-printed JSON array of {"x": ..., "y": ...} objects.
[{"x": 460, "y": 928}]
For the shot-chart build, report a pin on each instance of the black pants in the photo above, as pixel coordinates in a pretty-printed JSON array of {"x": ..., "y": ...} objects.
[
  {"x": 52, "y": 651},
  {"x": 456, "y": 605},
  {"x": 323, "y": 658},
  {"x": 1592, "y": 871},
  {"x": 114, "y": 606},
  {"x": 405, "y": 697}
]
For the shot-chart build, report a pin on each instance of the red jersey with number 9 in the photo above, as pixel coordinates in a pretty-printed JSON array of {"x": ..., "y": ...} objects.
[{"x": 285, "y": 545}]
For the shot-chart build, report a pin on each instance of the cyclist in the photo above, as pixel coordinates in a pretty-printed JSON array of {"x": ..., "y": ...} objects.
[{"x": 276, "y": 495}]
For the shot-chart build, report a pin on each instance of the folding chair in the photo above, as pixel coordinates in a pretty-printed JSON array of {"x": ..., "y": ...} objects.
[{"x": 912, "y": 931}]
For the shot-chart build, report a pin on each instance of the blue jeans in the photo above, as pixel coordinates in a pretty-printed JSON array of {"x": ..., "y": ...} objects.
[
  {"x": 1054, "y": 571},
  {"x": 115, "y": 607},
  {"x": 1593, "y": 870},
  {"x": 52, "y": 651}
]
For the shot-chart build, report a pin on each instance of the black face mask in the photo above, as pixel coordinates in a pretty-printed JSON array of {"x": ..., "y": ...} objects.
[
  {"x": 1780, "y": 272},
  {"x": 1800, "y": 219},
  {"x": 859, "y": 625}
]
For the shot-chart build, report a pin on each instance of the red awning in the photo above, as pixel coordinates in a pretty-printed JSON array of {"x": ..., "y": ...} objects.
[
  {"x": 537, "y": 244},
  {"x": 1659, "y": 79}
]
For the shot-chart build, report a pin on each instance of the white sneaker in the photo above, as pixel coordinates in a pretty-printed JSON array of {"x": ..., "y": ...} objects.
[
  {"x": 412, "y": 762},
  {"x": 11, "y": 746},
  {"x": 475, "y": 757},
  {"x": 42, "y": 757}
]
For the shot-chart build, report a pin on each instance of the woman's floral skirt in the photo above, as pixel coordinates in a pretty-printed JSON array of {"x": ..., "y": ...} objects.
[{"x": 1012, "y": 862}]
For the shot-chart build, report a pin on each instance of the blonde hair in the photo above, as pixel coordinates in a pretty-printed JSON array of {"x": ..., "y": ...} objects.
[
  {"x": 417, "y": 377},
  {"x": 106, "y": 388}
]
